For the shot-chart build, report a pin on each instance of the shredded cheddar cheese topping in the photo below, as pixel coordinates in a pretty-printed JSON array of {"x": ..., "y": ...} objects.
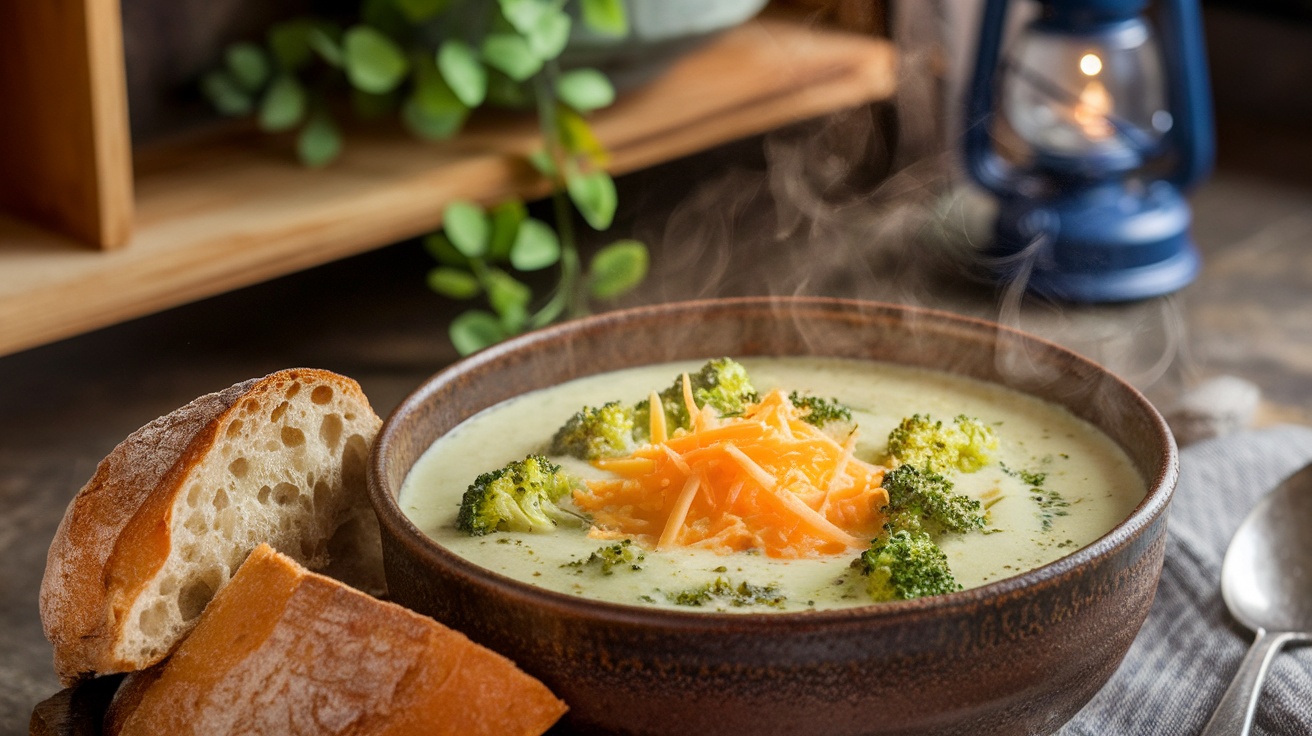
[{"x": 765, "y": 481}]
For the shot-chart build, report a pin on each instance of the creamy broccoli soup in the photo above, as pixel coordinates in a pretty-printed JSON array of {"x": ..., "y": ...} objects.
[{"x": 1047, "y": 485}]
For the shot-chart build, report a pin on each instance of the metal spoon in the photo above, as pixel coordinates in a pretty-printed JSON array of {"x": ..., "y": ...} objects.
[{"x": 1266, "y": 581}]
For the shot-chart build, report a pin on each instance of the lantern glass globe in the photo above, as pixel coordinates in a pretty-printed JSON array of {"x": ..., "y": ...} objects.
[{"x": 1080, "y": 95}]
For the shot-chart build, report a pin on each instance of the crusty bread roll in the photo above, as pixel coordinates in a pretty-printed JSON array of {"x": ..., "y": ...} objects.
[
  {"x": 173, "y": 511},
  {"x": 285, "y": 651}
]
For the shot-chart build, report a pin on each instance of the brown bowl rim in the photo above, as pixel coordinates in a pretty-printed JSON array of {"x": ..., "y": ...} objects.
[{"x": 1160, "y": 490}]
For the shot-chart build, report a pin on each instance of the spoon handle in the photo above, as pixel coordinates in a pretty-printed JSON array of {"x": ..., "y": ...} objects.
[{"x": 1234, "y": 714}]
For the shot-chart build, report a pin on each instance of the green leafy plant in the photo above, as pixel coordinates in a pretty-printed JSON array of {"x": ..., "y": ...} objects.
[
  {"x": 503, "y": 53},
  {"x": 476, "y": 251}
]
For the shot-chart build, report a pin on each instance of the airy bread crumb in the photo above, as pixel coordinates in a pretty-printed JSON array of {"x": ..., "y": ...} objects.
[{"x": 173, "y": 511}]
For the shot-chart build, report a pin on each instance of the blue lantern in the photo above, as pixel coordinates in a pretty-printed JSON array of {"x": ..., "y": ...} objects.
[{"x": 1108, "y": 124}]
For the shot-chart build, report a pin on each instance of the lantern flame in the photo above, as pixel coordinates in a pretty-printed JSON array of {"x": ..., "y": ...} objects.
[{"x": 1091, "y": 111}]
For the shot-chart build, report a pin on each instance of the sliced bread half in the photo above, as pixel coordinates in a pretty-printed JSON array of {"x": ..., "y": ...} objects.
[
  {"x": 285, "y": 651},
  {"x": 173, "y": 511}
]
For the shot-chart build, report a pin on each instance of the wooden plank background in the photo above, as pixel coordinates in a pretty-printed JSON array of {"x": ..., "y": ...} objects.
[
  {"x": 65, "y": 152},
  {"x": 233, "y": 209}
]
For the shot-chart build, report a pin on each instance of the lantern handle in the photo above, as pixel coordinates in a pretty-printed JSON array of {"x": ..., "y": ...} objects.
[
  {"x": 987, "y": 168},
  {"x": 1189, "y": 92}
]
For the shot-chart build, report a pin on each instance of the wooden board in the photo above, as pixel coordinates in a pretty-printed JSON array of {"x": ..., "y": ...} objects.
[
  {"x": 65, "y": 151},
  {"x": 234, "y": 209}
]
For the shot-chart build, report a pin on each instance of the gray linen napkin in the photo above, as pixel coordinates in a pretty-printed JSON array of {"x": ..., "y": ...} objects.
[{"x": 1190, "y": 647}]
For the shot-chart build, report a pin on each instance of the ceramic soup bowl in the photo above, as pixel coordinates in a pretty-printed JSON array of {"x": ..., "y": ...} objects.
[{"x": 1019, "y": 655}]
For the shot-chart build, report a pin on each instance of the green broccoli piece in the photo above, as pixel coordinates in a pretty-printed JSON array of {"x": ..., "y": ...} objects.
[
  {"x": 521, "y": 497},
  {"x": 606, "y": 431},
  {"x": 621, "y": 554},
  {"x": 613, "y": 429},
  {"x": 905, "y": 561},
  {"x": 722, "y": 384},
  {"x": 721, "y": 590},
  {"x": 905, "y": 565},
  {"x": 821, "y": 412},
  {"x": 966, "y": 444},
  {"x": 919, "y": 500}
]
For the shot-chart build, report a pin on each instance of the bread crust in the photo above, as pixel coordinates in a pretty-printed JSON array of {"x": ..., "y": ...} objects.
[
  {"x": 285, "y": 651},
  {"x": 116, "y": 532}
]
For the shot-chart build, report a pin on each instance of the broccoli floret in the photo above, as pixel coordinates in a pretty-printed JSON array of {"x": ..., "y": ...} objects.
[
  {"x": 619, "y": 555},
  {"x": 966, "y": 444},
  {"x": 722, "y": 384},
  {"x": 905, "y": 565},
  {"x": 821, "y": 412},
  {"x": 721, "y": 590},
  {"x": 907, "y": 520},
  {"x": 612, "y": 429},
  {"x": 919, "y": 499},
  {"x": 905, "y": 561},
  {"x": 606, "y": 431},
  {"x": 521, "y": 497}
]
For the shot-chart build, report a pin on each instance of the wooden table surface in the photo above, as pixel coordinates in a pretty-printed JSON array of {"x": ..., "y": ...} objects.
[{"x": 718, "y": 226}]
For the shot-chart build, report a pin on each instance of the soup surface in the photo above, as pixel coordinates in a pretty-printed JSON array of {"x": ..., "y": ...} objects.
[{"x": 1088, "y": 485}]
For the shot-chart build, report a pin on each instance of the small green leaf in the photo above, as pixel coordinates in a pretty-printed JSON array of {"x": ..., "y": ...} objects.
[
  {"x": 576, "y": 136},
  {"x": 606, "y": 17},
  {"x": 467, "y": 227},
  {"x": 441, "y": 249},
  {"x": 433, "y": 111},
  {"x": 536, "y": 246},
  {"x": 418, "y": 11},
  {"x": 326, "y": 46},
  {"x": 506, "y": 218},
  {"x": 319, "y": 142},
  {"x": 548, "y": 36},
  {"x": 617, "y": 268},
  {"x": 511, "y": 54},
  {"x": 509, "y": 298},
  {"x": 585, "y": 90},
  {"x": 223, "y": 92},
  {"x": 454, "y": 283},
  {"x": 474, "y": 330},
  {"x": 248, "y": 65},
  {"x": 429, "y": 126},
  {"x": 514, "y": 318},
  {"x": 503, "y": 91},
  {"x": 463, "y": 72},
  {"x": 524, "y": 14},
  {"x": 370, "y": 106},
  {"x": 283, "y": 107},
  {"x": 386, "y": 16},
  {"x": 290, "y": 43},
  {"x": 374, "y": 62},
  {"x": 541, "y": 161},
  {"x": 594, "y": 195}
]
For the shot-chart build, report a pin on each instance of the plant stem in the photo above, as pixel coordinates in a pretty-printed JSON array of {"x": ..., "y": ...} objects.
[
  {"x": 478, "y": 267},
  {"x": 569, "y": 255},
  {"x": 566, "y": 299}
]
